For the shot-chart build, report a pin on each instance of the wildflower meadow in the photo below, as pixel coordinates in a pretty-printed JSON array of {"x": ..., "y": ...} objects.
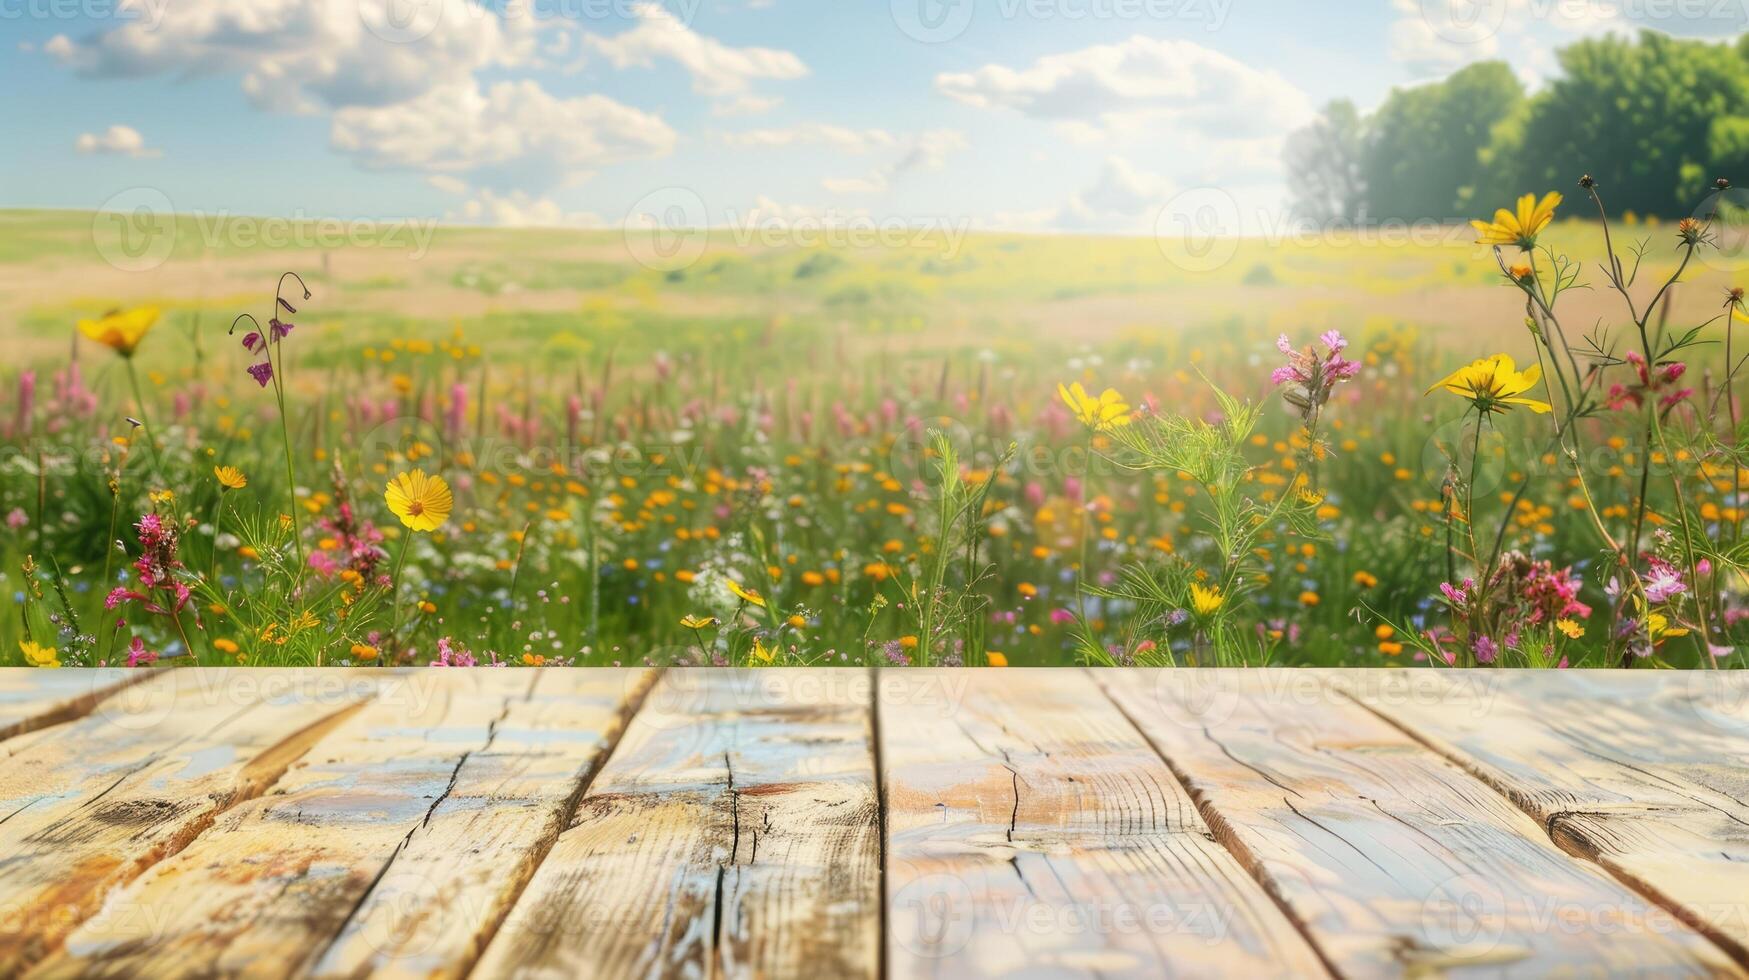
[{"x": 530, "y": 448}]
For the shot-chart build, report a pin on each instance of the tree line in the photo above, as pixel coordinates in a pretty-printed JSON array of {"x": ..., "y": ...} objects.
[{"x": 1654, "y": 119}]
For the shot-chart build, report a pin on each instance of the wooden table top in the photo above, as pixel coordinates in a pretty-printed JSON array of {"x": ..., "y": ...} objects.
[{"x": 847, "y": 823}]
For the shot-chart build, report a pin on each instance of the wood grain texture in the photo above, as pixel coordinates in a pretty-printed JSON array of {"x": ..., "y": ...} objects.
[
  {"x": 453, "y": 880},
  {"x": 1033, "y": 832},
  {"x": 31, "y": 698},
  {"x": 275, "y": 878},
  {"x": 1645, "y": 772},
  {"x": 1394, "y": 860},
  {"x": 87, "y": 805},
  {"x": 734, "y": 832}
]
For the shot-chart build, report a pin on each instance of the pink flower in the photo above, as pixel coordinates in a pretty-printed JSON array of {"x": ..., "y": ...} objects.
[
  {"x": 139, "y": 656},
  {"x": 1663, "y": 582},
  {"x": 1315, "y": 375}
]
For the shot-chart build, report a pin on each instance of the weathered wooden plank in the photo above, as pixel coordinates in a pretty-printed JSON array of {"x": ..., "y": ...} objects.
[
  {"x": 1032, "y": 831},
  {"x": 734, "y": 832},
  {"x": 87, "y": 805},
  {"x": 454, "y": 879},
  {"x": 1645, "y": 772},
  {"x": 274, "y": 879},
  {"x": 33, "y": 698},
  {"x": 1392, "y": 858}
]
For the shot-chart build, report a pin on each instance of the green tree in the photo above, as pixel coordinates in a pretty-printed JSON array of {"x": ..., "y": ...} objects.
[
  {"x": 1653, "y": 119},
  {"x": 1425, "y": 155},
  {"x": 1324, "y": 163}
]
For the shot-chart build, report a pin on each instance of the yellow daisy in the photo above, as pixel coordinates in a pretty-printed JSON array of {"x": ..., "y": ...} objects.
[
  {"x": 38, "y": 655},
  {"x": 746, "y": 595},
  {"x": 230, "y": 477},
  {"x": 1519, "y": 228},
  {"x": 421, "y": 502},
  {"x": 1494, "y": 384},
  {"x": 1206, "y": 601},
  {"x": 1108, "y": 411},
  {"x": 121, "y": 331}
]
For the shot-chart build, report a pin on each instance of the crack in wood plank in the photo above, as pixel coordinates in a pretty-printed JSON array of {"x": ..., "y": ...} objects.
[
  {"x": 1383, "y": 845},
  {"x": 733, "y": 832},
  {"x": 196, "y": 746},
  {"x": 1542, "y": 752},
  {"x": 988, "y": 878}
]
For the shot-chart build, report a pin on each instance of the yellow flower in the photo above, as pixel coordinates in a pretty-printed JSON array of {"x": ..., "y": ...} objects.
[
  {"x": 230, "y": 477},
  {"x": 225, "y": 646},
  {"x": 1108, "y": 411},
  {"x": 1494, "y": 384},
  {"x": 38, "y": 655},
  {"x": 1571, "y": 628},
  {"x": 1206, "y": 601},
  {"x": 996, "y": 659},
  {"x": 1658, "y": 627},
  {"x": 762, "y": 653},
  {"x": 1521, "y": 228},
  {"x": 421, "y": 502},
  {"x": 746, "y": 595},
  {"x": 364, "y": 651},
  {"x": 698, "y": 622},
  {"x": 121, "y": 331}
]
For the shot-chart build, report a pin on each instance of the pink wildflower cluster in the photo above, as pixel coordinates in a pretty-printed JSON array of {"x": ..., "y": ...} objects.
[
  {"x": 139, "y": 656},
  {"x": 1550, "y": 594},
  {"x": 1663, "y": 581},
  {"x": 357, "y": 544},
  {"x": 159, "y": 591},
  {"x": 1313, "y": 375},
  {"x": 1661, "y": 384},
  {"x": 449, "y": 654},
  {"x": 255, "y": 342}
]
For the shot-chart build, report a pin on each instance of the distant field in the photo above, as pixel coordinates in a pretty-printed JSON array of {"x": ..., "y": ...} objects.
[{"x": 773, "y": 401}]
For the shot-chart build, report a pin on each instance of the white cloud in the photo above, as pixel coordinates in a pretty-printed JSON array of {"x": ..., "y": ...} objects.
[
  {"x": 818, "y": 134},
  {"x": 117, "y": 140},
  {"x": 448, "y": 184},
  {"x": 927, "y": 150},
  {"x": 724, "y": 73},
  {"x": 1124, "y": 199},
  {"x": 521, "y": 210},
  {"x": 1432, "y": 38},
  {"x": 513, "y": 129},
  {"x": 306, "y": 55},
  {"x": 1159, "y": 82}
]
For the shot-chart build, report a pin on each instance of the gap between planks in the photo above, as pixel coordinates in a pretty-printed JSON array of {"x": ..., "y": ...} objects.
[
  {"x": 1220, "y": 833},
  {"x": 1500, "y": 784},
  {"x": 628, "y": 711}
]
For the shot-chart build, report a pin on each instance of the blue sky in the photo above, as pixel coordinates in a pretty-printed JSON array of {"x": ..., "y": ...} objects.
[{"x": 1024, "y": 114}]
